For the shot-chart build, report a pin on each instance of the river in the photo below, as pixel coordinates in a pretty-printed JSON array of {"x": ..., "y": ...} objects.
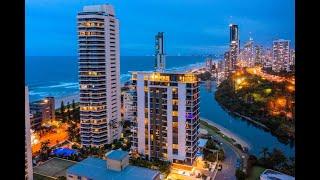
[{"x": 254, "y": 136}]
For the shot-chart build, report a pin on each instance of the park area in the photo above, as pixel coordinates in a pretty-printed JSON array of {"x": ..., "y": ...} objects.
[{"x": 56, "y": 135}]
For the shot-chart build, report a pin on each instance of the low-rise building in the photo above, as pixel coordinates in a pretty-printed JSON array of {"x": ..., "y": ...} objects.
[
  {"x": 115, "y": 166},
  {"x": 42, "y": 110}
]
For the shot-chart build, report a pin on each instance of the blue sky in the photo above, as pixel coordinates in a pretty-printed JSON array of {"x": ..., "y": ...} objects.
[{"x": 190, "y": 26}]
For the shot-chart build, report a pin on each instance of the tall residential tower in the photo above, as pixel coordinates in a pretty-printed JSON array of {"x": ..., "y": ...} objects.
[
  {"x": 160, "y": 62},
  {"x": 234, "y": 46},
  {"x": 281, "y": 55},
  {"x": 99, "y": 71},
  {"x": 167, "y": 123}
]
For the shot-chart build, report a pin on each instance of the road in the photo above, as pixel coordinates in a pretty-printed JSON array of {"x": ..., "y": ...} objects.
[{"x": 229, "y": 164}]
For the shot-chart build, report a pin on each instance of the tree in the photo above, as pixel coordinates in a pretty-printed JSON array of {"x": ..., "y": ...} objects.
[
  {"x": 73, "y": 105},
  {"x": 73, "y": 131},
  {"x": 211, "y": 144},
  {"x": 62, "y": 108},
  {"x": 240, "y": 175},
  {"x": 68, "y": 111},
  {"x": 44, "y": 150},
  {"x": 277, "y": 158}
]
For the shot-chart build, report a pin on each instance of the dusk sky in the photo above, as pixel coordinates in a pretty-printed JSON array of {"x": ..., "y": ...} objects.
[{"x": 189, "y": 26}]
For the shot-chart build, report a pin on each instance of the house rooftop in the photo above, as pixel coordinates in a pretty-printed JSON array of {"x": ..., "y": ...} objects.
[{"x": 95, "y": 168}]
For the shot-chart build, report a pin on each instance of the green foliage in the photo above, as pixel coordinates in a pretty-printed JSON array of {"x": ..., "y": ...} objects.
[
  {"x": 277, "y": 160},
  {"x": 254, "y": 101},
  {"x": 240, "y": 175},
  {"x": 211, "y": 144}
]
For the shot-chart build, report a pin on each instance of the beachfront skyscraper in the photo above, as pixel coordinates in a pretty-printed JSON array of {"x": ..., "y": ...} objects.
[
  {"x": 234, "y": 46},
  {"x": 281, "y": 55},
  {"x": 27, "y": 154},
  {"x": 99, "y": 71},
  {"x": 160, "y": 61},
  {"x": 167, "y": 122}
]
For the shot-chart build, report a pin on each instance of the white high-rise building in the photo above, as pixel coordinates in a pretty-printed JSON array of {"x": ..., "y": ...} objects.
[
  {"x": 28, "y": 154},
  {"x": 167, "y": 123},
  {"x": 281, "y": 55},
  {"x": 129, "y": 107},
  {"x": 99, "y": 71}
]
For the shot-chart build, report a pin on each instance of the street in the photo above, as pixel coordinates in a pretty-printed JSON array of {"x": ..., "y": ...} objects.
[{"x": 229, "y": 164}]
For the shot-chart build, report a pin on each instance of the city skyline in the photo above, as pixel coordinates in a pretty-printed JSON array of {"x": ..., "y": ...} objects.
[{"x": 207, "y": 34}]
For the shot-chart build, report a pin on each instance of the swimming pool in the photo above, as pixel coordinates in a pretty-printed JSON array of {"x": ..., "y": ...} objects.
[{"x": 64, "y": 152}]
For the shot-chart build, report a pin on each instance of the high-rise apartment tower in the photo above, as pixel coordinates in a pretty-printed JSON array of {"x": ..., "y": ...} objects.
[{"x": 99, "y": 71}]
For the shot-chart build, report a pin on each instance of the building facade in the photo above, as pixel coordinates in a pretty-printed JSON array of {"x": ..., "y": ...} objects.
[
  {"x": 258, "y": 55},
  {"x": 99, "y": 75},
  {"x": 129, "y": 105},
  {"x": 42, "y": 110},
  {"x": 167, "y": 120},
  {"x": 160, "y": 62},
  {"x": 27, "y": 153},
  {"x": 292, "y": 57},
  {"x": 281, "y": 55},
  {"x": 234, "y": 46},
  {"x": 267, "y": 58}
]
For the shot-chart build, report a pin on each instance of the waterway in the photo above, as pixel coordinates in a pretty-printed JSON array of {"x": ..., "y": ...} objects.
[{"x": 255, "y": 136}]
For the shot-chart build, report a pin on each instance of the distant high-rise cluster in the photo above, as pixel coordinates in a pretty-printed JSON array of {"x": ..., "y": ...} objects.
[{"x": 99, "y": 75}]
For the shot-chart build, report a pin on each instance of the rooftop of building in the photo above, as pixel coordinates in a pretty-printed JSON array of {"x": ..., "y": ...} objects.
[
  {"x": 106, "y": 9},
  {"x": 270, "y": 174},
  {"x": 117, "y": 155},
  {"x": 96, "y": 169},
  {"x": 202, "y": 142},
  {"x": 53, "y": 168},
  {"x": 182, "y": 77}
]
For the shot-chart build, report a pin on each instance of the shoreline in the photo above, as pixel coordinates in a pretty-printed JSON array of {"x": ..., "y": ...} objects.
[
  {"x": 227, "y": 133},
  {"x": 244, "y": 117}
]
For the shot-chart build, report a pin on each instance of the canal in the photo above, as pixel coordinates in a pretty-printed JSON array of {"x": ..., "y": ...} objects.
[{"x": 256, "y": 137}]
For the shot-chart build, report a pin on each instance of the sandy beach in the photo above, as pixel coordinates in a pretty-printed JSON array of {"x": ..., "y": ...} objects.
[
  {"x": 65, "y": 100},
  {"x": 228, "y": 133}
]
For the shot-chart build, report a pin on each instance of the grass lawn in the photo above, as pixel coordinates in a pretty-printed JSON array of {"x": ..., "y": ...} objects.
[
  {"x": 256, "y": 171},
  {"x": 213, "y": 130}
]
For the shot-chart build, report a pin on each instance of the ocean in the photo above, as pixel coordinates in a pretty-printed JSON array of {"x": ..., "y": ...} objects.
[{"x": 57, "y": 76}]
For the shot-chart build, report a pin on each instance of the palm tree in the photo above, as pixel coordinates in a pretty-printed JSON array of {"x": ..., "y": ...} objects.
[{"x": 44, "y": 150}]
